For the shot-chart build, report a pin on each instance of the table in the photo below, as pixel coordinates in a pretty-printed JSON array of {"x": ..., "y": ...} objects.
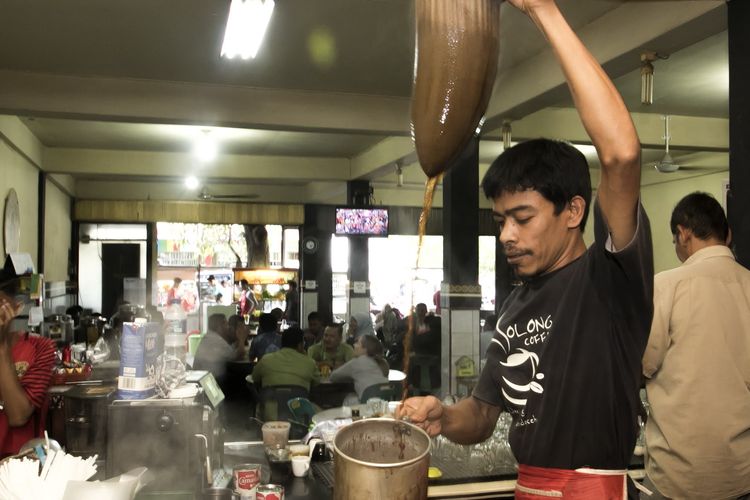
[{"x": 338, "y": 412}]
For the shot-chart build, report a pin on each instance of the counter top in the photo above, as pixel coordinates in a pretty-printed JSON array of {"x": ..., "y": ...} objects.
[
  {"x": 295, "y": 488},
  {"x": 318, "y": 484}
]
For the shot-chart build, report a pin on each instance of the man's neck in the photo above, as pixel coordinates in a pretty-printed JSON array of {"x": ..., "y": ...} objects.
[
  {"x": 696, "y": 244},
  {"x": 572, "y": 250}
]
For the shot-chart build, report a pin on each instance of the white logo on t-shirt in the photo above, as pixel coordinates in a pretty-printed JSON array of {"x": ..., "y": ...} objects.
[{"x": 524, "y": 376}]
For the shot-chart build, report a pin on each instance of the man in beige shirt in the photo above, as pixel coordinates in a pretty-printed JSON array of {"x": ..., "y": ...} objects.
[{"x": 698, "y": 363}]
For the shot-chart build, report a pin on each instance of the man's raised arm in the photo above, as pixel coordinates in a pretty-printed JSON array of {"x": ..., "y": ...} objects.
[{"x": 604, "y": 116}]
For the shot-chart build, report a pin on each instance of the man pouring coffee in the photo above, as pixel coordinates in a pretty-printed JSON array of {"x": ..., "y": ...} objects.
[{"x": 565, "y": 357}]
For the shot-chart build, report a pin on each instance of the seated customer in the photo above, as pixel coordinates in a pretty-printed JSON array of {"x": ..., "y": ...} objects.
[
  {"x": 367, "y": 368},
  {"x": 287, "y": 366},
  {"x": 314, "y": 331},
  {"x": 219, "y": 346},
  {"x": 26, "y": 363},
  {"x": 359, "y": 324},
  {"x": 268, "y": 338},
  {"x": 330, "y": 353}
]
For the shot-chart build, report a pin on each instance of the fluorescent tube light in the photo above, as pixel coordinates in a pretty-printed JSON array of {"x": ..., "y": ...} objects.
[
  {"x": 246, "y": 26},
  {"x": 205, "y": 147}
]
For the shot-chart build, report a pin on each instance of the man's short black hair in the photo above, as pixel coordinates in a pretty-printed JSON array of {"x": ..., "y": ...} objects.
[
  {"x": 702, "y": 214},
  {"x": 267, "y": 322},
  {"x": 292, "y": 284},
  {"x": 555, "y": 169},
  {"x": 211, "y": 278},
  {"x": 339, "y": 327},
  {"x": 292, "y": 337},
  {"x": 313, "y": 316}
]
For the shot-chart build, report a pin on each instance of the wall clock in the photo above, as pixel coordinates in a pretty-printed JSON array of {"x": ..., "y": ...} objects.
[
  {"x": 310, "y": 245},
  {"x": 11, "y": 223}
]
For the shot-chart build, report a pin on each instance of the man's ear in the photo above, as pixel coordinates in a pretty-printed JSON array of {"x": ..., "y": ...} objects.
[
  {"x": 576, "y": 211},
  {"x": 683, "y": 234},
  {"x": 729, "y": 238}
]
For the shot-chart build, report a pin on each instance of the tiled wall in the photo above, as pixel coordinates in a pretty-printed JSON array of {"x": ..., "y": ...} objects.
[{"x": 460, "y": 337}]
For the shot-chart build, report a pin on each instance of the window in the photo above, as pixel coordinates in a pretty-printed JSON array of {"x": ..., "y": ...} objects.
[
  {"x": 393, "y": 277},
  {"x": 291, "y": 248}
]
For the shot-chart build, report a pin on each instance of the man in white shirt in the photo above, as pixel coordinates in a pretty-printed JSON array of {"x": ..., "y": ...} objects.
[
  {"x": 696, "y": 363},
  {"x": 219, "y": 346}
]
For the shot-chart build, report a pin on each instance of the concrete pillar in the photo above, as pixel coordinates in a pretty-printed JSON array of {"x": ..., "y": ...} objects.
[
  {"x": 358, "y": 193},
  {"x": 738, "y": 200},
  {"x": 315, "y": 276},
  {"x": 359, "y": 278},
  {"x": 460, "y": 293}
]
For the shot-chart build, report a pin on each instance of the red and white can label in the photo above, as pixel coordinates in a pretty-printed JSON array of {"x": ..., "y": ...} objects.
[
  {"x": 246, "y": 477},
  {"x": 269, "y": 492}
]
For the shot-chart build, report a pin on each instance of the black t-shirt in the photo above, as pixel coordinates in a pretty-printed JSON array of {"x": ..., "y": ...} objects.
[{"x": 565, "y": 359}]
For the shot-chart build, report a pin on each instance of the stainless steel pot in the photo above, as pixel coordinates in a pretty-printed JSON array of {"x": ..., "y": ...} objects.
[{"x": 381, "y": 458}]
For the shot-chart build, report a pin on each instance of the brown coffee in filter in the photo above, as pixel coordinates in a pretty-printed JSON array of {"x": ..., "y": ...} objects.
[{"x": 455, "y": 64}]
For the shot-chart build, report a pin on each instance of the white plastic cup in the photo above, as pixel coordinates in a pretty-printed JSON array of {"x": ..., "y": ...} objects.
[
  {"x": 300, "y": 465},
  {"x": 275, "y": 434},
  {"x": 299, "y": 450}
]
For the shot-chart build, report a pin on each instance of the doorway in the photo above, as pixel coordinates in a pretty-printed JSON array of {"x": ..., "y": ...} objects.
[{"x": 119, "y": 261}]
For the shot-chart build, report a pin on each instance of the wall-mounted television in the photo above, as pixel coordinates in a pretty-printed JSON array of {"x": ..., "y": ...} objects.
[{"x": 360, "y": 221}]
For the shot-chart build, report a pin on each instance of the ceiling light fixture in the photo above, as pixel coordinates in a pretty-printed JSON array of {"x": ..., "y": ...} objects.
[
  {"x": 246, "y": 26},
  {"x": 205, "y": 147},
  {"x": 506, "y": 133},
  {"x": 399, "y": 174},
  {"x": 647, "y": 76},
  {"x": 192, "y": 182}
]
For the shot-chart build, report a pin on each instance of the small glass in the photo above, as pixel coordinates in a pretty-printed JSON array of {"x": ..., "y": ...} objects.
[{"x": 377, "y": 407}]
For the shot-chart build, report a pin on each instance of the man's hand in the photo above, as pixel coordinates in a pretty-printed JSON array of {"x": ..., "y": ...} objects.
[
  {"x": 425, "y": 412},
  {"x": 467, "y": 422}
]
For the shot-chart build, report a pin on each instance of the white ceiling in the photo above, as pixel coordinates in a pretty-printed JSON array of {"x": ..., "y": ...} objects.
[{"x": 326, "y": 100}]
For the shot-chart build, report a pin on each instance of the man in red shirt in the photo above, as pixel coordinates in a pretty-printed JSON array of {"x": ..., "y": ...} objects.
[{"x": 25, "y": 372}]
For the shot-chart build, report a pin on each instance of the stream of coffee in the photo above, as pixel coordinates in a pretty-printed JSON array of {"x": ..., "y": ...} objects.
[{"x": 429, "y": 195}]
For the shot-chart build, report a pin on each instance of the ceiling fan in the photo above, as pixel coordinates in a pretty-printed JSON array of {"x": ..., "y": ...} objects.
[
  {"x": 667, "y": 164},
  {"x": 206, "y": 195}
]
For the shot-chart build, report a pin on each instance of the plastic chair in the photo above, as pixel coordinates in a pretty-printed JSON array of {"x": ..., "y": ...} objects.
[
  {"x": 279, "y": 394},
  {"x": 302, "y": 410},
  {"x": 383, "y": 391}
]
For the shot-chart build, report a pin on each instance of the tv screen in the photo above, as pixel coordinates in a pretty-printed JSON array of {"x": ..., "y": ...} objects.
[{"x": 361, "y": 221}]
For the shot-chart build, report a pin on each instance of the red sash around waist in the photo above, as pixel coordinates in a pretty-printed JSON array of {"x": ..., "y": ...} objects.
[{"x": 541, "y": 483}]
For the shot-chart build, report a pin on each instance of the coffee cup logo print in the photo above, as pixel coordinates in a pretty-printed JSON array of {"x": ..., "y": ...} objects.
[
  {"x": 524, "y": 377},
  {"x": 521, "y": 375}
]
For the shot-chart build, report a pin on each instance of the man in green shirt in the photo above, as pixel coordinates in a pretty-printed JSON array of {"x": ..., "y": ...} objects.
[
  {"x": 330, "y": 353},
  {"x": 287, "y": 366}
]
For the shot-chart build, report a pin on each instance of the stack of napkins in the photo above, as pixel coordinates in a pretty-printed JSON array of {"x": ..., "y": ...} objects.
[{"x": 21, "y": 479}]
